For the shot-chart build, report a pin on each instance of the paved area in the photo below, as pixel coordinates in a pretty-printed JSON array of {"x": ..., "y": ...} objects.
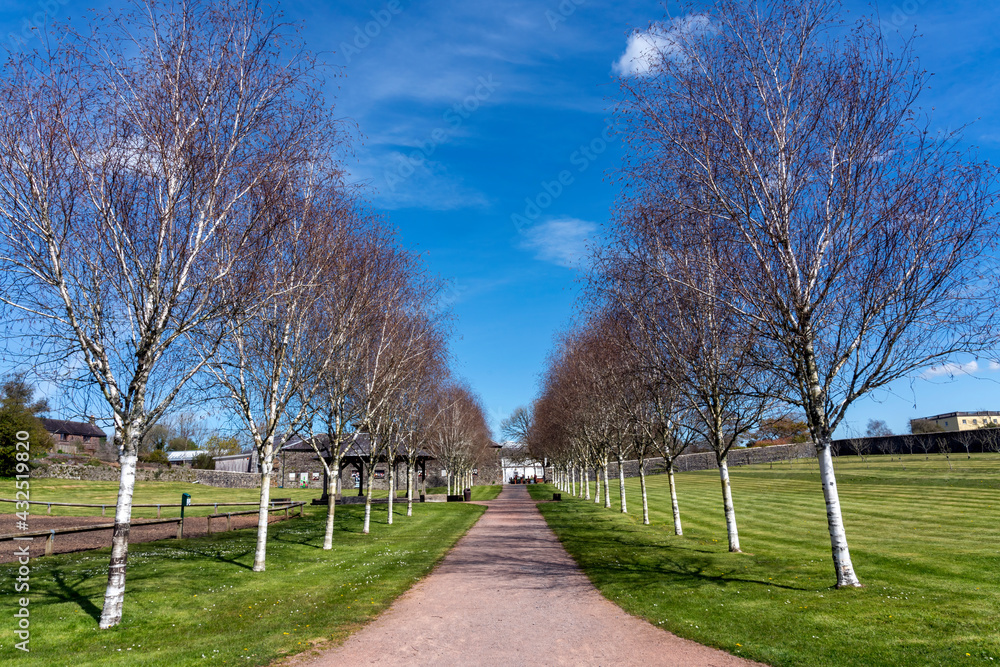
[{"x": 509, "y": 594}]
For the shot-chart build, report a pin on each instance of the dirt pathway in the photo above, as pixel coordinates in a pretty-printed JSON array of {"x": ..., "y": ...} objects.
[{"x": 509, "y": 594}]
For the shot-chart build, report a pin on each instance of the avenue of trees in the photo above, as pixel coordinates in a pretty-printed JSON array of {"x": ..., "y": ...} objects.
[
  {"x": 175, "y": 230},
  {"x": 790, "y": 236}
]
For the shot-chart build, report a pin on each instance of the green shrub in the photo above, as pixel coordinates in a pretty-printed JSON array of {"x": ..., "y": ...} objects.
[
  {"x": 155, "y": 456},
  {"x": 203, "y": 462}
]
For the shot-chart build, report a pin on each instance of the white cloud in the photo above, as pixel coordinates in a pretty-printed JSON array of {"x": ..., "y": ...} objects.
[
  {"x": 954, "y": 368},
  {"x": 562, "y": 241},
  {"x": 644, "y": 49}
]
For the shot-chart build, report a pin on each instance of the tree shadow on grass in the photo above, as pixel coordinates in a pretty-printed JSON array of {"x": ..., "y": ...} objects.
[
  {"x": 211, "y": 554},
  {"x": 70, "y": 592},
  {"x": 602, "y": 557}
]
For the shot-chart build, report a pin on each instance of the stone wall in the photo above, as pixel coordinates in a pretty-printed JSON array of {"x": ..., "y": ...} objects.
[{"x": 105, "y": 473}]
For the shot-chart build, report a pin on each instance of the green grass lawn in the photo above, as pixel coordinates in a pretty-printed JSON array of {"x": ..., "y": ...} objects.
[
  {"x": 77, "y": 491},
  {"x": 488, "y": 492},
  {"x": 924, "y": 538},
  {"x": 198, "y": 602},
  {"x": 95, "y": 493}
]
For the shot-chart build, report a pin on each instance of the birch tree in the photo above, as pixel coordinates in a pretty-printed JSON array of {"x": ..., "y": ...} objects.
[
  {"x": 348, "y": 303},
  {"x": 401, "y": 325},
  {"x": 862, "y": 231},
  {"x": 272, "y": 349},
  {"x": 127, "y": 155},
  {"x": 669, "y": 272}
]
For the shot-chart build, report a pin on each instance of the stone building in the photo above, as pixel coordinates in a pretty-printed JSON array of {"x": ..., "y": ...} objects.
[
  {"x": 960, "y": 421},
  {"x": 299, "y": 466},
  {"x": 75, "y": 437}
]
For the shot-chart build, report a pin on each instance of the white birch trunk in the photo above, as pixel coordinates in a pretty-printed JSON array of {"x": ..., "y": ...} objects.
[
  {"x": 842, "y": 564},
  {"x": 597, "y": 485},
  {"x": 368, "y": 509},
  {"x": 678, "y": 530},
  {"x": 266, "y": 465},
  {"x": 727, "y": 506},
  {"x": 621, "y": 484},
  {"x": 585, "y": 483},
  {"x": 607, "y": 487},
  {"x": 409, "y": 490},
  {"x": 642, "y": 487},
  {"x": 392, "y": 488},
  {"x": 114, "y": 595},
  {"x": 572, "y": 480},
  {"x": 331, "y": 505},
  {"x": 838, "y": 536}
]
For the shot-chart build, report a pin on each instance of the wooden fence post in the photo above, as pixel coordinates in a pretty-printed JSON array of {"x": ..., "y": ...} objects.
[{"x": 50, "y": 543}]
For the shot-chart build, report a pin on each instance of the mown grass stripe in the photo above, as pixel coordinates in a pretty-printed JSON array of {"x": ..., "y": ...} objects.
[{"x": 924, "y": 539}]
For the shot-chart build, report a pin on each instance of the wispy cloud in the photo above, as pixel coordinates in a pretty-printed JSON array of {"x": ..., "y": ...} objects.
[
  {"x": 562, "y": 241},
  {"x": 645, "y": 49},
  {"x": 431, "y": 186},
  {"x": 954, "y": 368}
]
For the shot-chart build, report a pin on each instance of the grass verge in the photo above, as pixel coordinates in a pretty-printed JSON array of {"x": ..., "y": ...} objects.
[
  {"x": 198, "y": 602},
  {"x": 488, "y": 492},
  {"x": 924, "y": 540}
]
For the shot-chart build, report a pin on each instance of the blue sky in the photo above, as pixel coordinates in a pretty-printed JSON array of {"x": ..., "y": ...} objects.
[{"x": 533, "y": 83}]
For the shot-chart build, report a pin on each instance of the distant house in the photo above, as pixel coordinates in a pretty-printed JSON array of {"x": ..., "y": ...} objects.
[
  {"x": 962, "y": 421},
  {"x": 75, "y": 437},
  {"x": 183, "y": 458}
]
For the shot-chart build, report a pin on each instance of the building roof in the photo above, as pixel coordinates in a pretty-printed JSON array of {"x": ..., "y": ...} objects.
[
  {"x": 233, "y": 457},
  {"x": 62, "y": 426},
  {"x": 187, "y": 455},
  {"x": 357, "y": 445},
  {"x": 981, "y": 413}
]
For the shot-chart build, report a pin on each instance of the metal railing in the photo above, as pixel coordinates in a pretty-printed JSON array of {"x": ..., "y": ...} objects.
[
  {"x": 51, "y": 533},
  {"x": 104, "y": 507}
]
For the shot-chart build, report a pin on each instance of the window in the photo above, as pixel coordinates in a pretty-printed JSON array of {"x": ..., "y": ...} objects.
[{"x": 963, "y": 421}]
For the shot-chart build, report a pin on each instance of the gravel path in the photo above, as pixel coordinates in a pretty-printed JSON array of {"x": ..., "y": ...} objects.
[{"x": 509, "y": 594}]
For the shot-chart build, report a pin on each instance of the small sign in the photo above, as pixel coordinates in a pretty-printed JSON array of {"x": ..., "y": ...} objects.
[{"x": 379, "y": 474}]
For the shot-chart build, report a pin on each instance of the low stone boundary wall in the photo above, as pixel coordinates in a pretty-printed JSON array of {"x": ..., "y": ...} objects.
[
  {"x": 706, "y": 460},
  {"x": 100, "y": 473}
]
